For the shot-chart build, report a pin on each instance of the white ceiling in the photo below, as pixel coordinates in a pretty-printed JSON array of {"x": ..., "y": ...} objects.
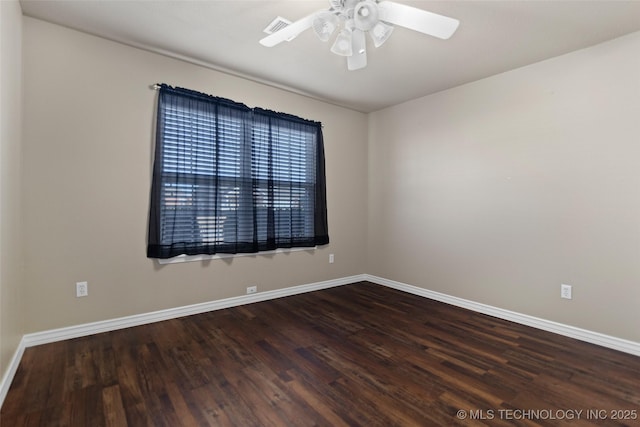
[{"x": 493, "y": 37}]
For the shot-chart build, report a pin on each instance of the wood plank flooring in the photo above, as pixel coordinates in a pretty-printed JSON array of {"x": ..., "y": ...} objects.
[{"x": 358, "y": 355}]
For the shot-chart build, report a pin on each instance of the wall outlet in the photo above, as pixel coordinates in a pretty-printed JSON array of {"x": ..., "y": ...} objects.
[
  {"x": 82, "y": 289},
  {"x": 565, "y": 291},
  {"x": 331, "y": 258},
  {"x": 252, "y": 289}
]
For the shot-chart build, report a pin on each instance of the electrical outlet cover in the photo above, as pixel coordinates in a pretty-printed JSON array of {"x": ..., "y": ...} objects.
[{"x": 82, "y": 289}]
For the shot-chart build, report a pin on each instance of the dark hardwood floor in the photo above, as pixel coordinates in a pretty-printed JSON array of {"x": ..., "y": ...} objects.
[{"x": 358, "y": 355}]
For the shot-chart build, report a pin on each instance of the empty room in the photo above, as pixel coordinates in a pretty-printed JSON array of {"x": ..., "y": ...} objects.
[{"x": 319, "y": 213}]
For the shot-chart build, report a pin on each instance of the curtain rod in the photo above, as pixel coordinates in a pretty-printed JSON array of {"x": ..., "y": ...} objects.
[{"x": 156, "y": 86}]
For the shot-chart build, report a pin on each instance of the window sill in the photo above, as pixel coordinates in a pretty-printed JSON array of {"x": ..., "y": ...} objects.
[{"x": 191, "y": 258}]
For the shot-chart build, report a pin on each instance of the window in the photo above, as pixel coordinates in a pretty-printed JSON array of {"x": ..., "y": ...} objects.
[{"x": 230, "y": 179}]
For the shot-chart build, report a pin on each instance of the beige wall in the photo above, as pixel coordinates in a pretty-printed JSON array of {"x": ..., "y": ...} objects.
[
  {"x": 500, "y": 190},
  {"x": 11, "y": 327},
  {"x": 496, "y": 191},
  {"x": 87, "y": 162}
]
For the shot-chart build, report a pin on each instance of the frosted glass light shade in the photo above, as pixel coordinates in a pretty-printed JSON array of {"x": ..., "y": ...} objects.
[
  {"x": 343, "y": 45},
  {"x": 380, "y": 33},
  {"x": 365, "y": 15},
  {"x": 324, "y": 24}
]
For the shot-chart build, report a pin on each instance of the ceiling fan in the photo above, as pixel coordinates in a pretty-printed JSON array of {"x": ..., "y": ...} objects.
[{"x": 354, "y": 18}]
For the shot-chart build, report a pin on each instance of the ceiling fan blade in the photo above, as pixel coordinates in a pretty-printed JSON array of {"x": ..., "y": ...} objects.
[
  {"x": 416, "y": 19},
  {"x": 358, "y": 59},
  {"x": 288, "y": 32}
]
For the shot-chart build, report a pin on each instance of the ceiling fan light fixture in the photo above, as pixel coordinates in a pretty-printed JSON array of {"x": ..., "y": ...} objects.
[
  {"x": 354, "y": 18},
  {"x": 343, "y": 45},
  {"x": 324, "y": 24},
  {"x": 380, "y": 33}
]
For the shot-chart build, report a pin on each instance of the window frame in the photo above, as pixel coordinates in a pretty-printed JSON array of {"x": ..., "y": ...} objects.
[
  {"x": 180, "y": 259},
  {"x": 306, "y": 180}
]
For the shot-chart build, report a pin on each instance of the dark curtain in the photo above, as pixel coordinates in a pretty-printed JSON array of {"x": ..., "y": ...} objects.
[{"x": 230, "y": 179}]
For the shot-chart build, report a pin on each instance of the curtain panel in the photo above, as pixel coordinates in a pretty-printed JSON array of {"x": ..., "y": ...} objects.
[{"x": 231, "y": 179}]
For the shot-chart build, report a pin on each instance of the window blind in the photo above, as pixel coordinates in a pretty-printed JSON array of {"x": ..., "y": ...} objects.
[{"x": 230, "y": 179}]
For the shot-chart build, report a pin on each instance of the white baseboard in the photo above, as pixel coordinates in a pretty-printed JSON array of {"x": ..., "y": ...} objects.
[
  {"x": 54, "y": 335},
  {"x": 7, "y": 378},
  {"x": 61, "y": 334},
  {"x": 597, "y": 338}
]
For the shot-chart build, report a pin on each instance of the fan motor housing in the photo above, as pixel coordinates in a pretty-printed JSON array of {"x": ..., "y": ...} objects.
[{"x": 365, "y": 15}]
